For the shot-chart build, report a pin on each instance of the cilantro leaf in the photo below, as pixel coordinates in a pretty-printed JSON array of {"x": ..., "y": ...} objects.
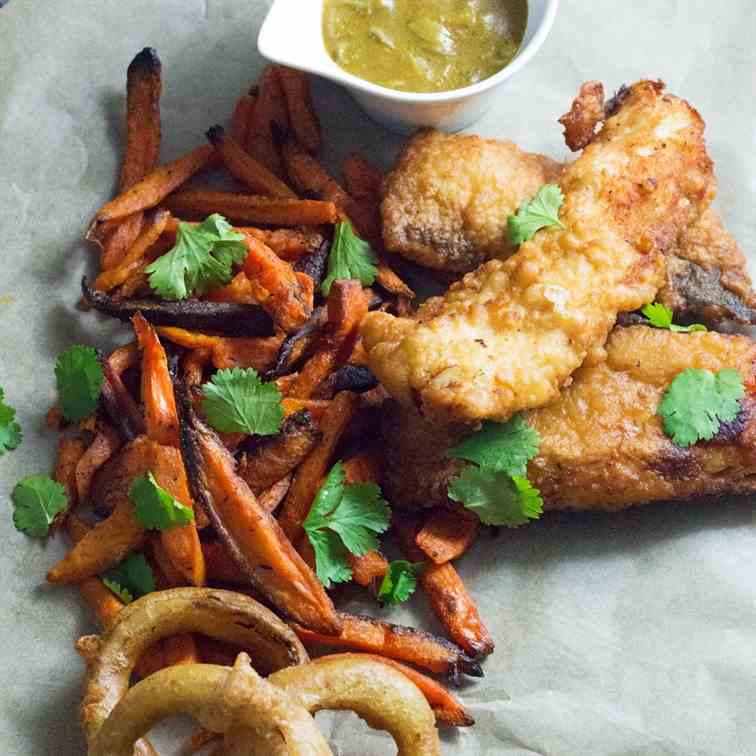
[
  {"x": 202, "y": 257},
  {"x": 697, "y": 402},
  {"x": 541, "y": 212},
  {"x": 659, "y": 316},
  {"x": 10, "y": 431},
  {"x": 399, "y": 582},
  {"x": 237, "y": 401},
  {"x": 130, "y": 579},
  {"x": 501, "y": 447},
  {"x": 155, "y": 508},
  {"x": 79, "y": 377},
  {"x": 497, "y": 498},
  {"x": 350, "y": 257},
  {"x": 36, "y": 501},
  {"x": 344, "y": 518}
]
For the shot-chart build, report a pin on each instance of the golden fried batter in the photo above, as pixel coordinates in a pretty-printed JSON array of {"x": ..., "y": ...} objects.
[
  {"x": 585, "y": 114},
  {"x": 508, "y": 336},
  {"x": 445, "y": 204},
  {"x": 602, "y": 442}
]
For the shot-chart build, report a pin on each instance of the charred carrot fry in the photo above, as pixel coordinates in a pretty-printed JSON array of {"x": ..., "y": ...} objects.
[
  {"x": 447, "y": 534},
  {"x": 194, "y": 366},
  {"x": 245, "y": 208},
  {"x": 242, "y": 117},
  {"x": 448, "y": 595},
  {"x": 288, "y": 243},
  {"x": 271, "y": 497},
  {"x": 123, "y": 358},
  {"x": 242, "y": 165},
  {"x": 104, "y": 445},
  {"x": 152, "y": 227},
  {"x": 267, "y": 459},
  {"x": 188, "y": 339},
  {"x": 270, "y": 108},
  {"x": 368, "y": 569},
  {"x": 221, "y": 568},
  {"x": 390, "y": 281},
  {"x": 239, "y": 289},
  {"x": 405, "y": 644},
  {"x": 288, "y": 303},
  {"x": 302, "y": 116},
  {"x": 70, "y": 451},
  {"x": 310, "y": 472},
  {"x": 155, "y": 186},
  {"x": 257, "y": 353},
  {"x": 363, "y": 180},
  {"x": 347, "y": 305},
  {"x": 254, "y": 538},
  {"x": 316, "y": 407}
]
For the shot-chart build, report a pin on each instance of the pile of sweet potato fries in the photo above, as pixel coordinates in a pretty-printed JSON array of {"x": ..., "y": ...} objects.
[{"x": 250, "y": 495}]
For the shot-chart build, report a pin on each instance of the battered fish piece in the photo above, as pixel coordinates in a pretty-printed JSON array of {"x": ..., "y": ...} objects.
[
  {"x": 509, "y": 335},
  {"x": 602, "y": 443},
  {"x": 445, "y": 204}
]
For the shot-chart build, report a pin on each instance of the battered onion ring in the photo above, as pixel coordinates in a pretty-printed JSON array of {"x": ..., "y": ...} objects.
[
  {"x": 226, "y": 615},
  {"x": 264, "y": 719}
]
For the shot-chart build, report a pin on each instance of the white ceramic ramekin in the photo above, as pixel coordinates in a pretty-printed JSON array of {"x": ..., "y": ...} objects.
[{"x": 292, "y": 35}]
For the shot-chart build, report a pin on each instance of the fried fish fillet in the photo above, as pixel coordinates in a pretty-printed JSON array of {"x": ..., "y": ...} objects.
[
  {"x": 508, "y": 336},
  {"x": 707, "y": 276},
  {"x": 602, "y": 442},
  {"x": 445, "y": 204}
]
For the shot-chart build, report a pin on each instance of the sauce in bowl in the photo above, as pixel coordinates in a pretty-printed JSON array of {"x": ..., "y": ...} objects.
[{"x": 424, "y": 45}]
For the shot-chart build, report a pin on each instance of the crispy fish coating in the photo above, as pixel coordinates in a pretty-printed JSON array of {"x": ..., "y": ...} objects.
[
  {"x": 508, "y": 336},
  {"x": 586, "y": 113},
  {"x": 445, "y": 204},
  {"x": 602, "y": 442}
]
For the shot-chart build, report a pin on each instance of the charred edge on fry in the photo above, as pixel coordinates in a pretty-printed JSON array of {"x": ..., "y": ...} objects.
[
  {"x": 145, "y": 60},
  {"x": 118, "y": 410},
  {"x": 222, "y": 317},
  {"x": 283, "y": 365},
  {"x": 314, "y": 263},
  {"x": 355, "y": 378},
  {"x": 215, "y": 135}
]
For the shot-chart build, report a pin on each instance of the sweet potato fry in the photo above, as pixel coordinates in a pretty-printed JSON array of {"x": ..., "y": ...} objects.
[
  {"x": 70, "y": 451},
  {"x": 447, "y": 534},
  {"x": 267, "y": 459},
  {"x": 104, "y": 445},
  {"x": 239, "y": 289},
  {"x": 368, "y": 569},
  {"x": 120, "y": 407},
  {"x": 254, "y": 538},
  {"x": 259, "y": 354},
  {"x": 159, "y": 403},
  {"x": 310, "y": 472},
  {"x": 221, "y": 567},
  {"x": 316, "y": 407},
  {"x": 363, "y": 180},
  {"x": 347, "y": 305},
  {"x": 194, "y": 365},
  {"x": 405, "y": 644},
  {"x": 271, "y": 497},
  {"x": 448, "y": 595},
  {"x": 242, "y": 165},
  {"x": 245, "y": 208},
  {"x": 302, "y": 116},
  {"x": 288, "y": 243},
  {"x": 152, "y": 227},
  {"x": 155, "y": 186},
  {"x": 287, "y": 303},
  {"x": 242, "y": 118},
  {"x": 270, "y": 108},
  {"x": 390, "y": 281},
  {"x": 187, "y": 339},
  {"x": 123, "y": 358}
]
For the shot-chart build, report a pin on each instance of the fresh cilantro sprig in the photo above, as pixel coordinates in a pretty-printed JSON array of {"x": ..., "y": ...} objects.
[
  {"x": 659, "y": 316},
  {"x": 350, "y": 257},
  {"x": 36, "y": 501},
  {"x": 202, "y": 257},
  {"x": 130, "y": 579},
  {"x": 344, "y": 518},
  {"x": 497, "y": 489},
  {"x": 10, "y": 430},
  {"x": 697, "y": 402},
  {"x": 541, "y": 212},
  {"x": 155, "y": 508},
  {"x": 399, "y": 582},
  {"x": 237, "y": 401},
  {"x": 79, "y": 378}
]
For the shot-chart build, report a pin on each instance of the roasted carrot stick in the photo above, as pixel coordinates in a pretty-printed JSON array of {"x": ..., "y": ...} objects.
[
  {"x": 270, "y": 108},
  {"x": 242, "y": 117},
  {"x": 104, "y": 445},
  {"x": 123, "y": 358},
  {"x": 302, "y": 116},
  {"x": 390, "y": 281},
  {"x": 245, "y": 208},
  {"x": 448, "y": 595},
  {"x": 347, "y": 305},
  {"x": 287, "y": 303},
  {"x": 310, "y": 472},
  {"x": 257, "y": 353},
  {"x": 254, "y": 538},
  {"x": 70, "y": 451},
  {"x": 153, "y": 226},
  {"x": 272, "y": 496},
  {"x": 447, "y": 534},
  {"x": 188, "y": 339},
  {"x": 193, "y": 366},
  {"x": 406, "y": 644},
  {"x": 363, "y": 180},
  {"x": 239, "y": 289},
  {"x": 316, "y": 407},
  {"x": 221, "y": 568},
  {"x": 155, "y": 186},
  {"x": 242, "y": 165}
]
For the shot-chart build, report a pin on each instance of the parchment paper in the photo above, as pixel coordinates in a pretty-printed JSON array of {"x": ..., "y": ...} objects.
[{"x": 617, "y": 635}]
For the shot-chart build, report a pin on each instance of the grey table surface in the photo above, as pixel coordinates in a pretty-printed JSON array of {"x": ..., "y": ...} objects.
[{"x": 624, "y": 634}]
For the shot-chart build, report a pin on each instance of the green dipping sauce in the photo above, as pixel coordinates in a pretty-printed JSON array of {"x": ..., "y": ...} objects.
[{"x": 424, "y": 45}]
